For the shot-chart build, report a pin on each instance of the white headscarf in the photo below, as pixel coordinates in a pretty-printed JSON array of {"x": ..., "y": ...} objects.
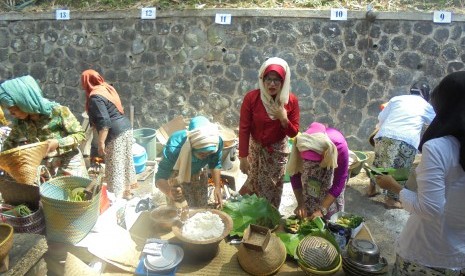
[
  {"x": 283, "y": 96},
  {"x": 205, "y": 137}
]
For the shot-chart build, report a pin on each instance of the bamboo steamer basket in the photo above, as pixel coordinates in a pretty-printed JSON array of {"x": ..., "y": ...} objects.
[
  {"x": 263, "y": 262},
  {"x": 21, "y": 162},
  {"x": 318, "y": 254}
]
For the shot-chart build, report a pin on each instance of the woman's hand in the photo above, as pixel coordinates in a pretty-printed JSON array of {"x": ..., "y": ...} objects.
[
  {"x": 280, "y": 113},
  {"x": 389, "y": 183},
  {"x": 218, "y": 198},
  {"x": 300, "y": 211},
  {"x": 315, "y": 214},
  {"x": 176, "y": 194},
  {"x": 101, "y": 149},
  {"x": 52, "y": 145},
  {"x": 244, "y": 165}
]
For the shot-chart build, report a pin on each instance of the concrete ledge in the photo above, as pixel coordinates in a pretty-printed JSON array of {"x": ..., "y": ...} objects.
[{"x": 283, "y": 13}]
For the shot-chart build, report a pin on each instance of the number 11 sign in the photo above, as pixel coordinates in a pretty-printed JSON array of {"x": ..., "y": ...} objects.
[{"x": 224, "y": 19}]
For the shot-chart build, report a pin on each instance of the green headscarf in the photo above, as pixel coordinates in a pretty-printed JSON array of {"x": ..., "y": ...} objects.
[{"x": 25, "y": 93}]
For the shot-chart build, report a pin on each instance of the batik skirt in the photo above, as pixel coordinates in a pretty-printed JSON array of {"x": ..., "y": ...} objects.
[
  {"x": 267, "y": 169},
  {"x": 392, "y": 153}
]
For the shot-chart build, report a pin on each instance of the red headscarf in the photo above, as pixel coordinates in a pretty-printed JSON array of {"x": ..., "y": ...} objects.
[{"x": 94, "y": 84}]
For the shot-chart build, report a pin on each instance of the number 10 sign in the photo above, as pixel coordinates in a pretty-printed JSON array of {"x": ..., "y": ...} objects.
[{"x": 338, "y": 14}]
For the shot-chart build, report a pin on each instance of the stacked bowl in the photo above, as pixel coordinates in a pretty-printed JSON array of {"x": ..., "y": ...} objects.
[{"x": 363, "y": 259}]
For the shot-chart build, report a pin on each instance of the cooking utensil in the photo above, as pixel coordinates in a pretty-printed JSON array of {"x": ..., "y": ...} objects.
[{"x": 363, "y": 252}]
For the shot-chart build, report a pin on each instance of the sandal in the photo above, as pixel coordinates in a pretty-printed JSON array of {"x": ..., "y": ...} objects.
[{"x": 391, "y": 203}]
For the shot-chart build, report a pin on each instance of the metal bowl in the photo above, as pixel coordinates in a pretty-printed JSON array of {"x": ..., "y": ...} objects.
[
  {"x": 164, "y": 217},
  {"x": 363, "y": 252}
]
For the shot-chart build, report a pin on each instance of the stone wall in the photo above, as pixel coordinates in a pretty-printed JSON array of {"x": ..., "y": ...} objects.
[{"x": 184, "y": 63}]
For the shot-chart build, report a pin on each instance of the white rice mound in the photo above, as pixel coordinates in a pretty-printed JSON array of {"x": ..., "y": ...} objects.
[{"x": 203, "y": 226}]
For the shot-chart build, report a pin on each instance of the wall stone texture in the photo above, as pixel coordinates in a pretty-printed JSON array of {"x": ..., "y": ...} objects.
[{"x": 180, "y": 64}]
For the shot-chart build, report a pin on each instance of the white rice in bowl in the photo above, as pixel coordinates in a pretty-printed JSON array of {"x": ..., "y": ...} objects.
[{"x": 203, "y": 226}]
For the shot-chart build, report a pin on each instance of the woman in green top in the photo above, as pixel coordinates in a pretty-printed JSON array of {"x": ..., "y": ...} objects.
[{"x": 37, "y": 119}]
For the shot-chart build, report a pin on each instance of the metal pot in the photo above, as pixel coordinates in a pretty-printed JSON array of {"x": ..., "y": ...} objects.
[{"x": 363, "y": 252}]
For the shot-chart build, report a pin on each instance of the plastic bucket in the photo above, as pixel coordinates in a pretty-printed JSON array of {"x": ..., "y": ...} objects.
[
  {"x": 146, "y": 138},
  {"x": 139, "y": 155}
]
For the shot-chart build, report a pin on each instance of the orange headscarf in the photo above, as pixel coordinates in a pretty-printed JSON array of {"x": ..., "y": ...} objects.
[{"x": 94, "y": 84}]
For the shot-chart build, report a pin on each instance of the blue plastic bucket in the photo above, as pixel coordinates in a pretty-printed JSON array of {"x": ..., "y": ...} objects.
[
  {"x": 139, "y": 155},
  {"x": 146, "y": 138}
]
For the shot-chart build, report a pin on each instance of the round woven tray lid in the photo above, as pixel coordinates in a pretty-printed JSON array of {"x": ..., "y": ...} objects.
[
  {"x": 266, "y": 262},
  {"x": 317, "y": 252},
  {"x": 21, "y": 162}
]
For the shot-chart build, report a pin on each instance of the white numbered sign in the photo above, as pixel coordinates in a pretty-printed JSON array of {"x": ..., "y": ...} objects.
[
  {"x": 62, "y": 14},
  {"x": 442, "y": 17},
  {"x": 223, "y": 19},
  {"x": 338, "y": 14},
  {"x": 148, "y": 13}
]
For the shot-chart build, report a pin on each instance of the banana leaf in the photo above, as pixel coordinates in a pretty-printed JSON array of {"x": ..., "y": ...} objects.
[
  {"x": 250, "y": 209},
  {"x": 400, "y": 174}
]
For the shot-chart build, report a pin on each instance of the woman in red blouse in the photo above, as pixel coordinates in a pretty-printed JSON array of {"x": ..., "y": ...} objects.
[{"x": 269, "y": 115}]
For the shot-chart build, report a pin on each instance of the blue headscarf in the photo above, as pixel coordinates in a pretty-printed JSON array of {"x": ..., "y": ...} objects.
[{"x": 25, "y": 93}]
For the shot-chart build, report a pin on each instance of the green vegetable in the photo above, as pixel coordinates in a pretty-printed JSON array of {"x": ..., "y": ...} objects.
[
  {"x": 251, "y": 209},
  {"x": 19, "y": 211},
  {"x": 352, "y": 221}
]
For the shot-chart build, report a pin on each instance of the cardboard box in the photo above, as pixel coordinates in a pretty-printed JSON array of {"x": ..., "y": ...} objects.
[{"x": 164, "y": 132}]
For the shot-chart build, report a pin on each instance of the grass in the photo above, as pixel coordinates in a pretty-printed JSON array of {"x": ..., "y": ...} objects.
[{"x": 357, "y": 5}]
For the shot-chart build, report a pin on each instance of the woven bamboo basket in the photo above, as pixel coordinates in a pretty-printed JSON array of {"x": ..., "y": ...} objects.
[
  {"x": 6, "y": 240},
  {"x": 21, "y": 162},
  {"x": 68, "y": 221},
  {"x": 318, "y": 256}
]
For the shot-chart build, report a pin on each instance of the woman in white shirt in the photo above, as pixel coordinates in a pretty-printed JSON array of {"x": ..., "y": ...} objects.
[
  {"x": 433, "y": 239},
  {"x": 400, "y": 125}
]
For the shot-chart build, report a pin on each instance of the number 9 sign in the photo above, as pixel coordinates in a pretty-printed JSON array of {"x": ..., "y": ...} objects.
[{"x": 442, "y": 17}]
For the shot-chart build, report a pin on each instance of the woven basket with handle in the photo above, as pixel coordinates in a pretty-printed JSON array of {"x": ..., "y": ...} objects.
[
  {"x": 68, "y": 221},
  {"x": 21, "y": 162}
]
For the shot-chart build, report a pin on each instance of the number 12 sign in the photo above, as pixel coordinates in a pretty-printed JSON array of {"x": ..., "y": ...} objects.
[
  {"x": 148, "y": 13},
  {"x": 338, "y": 14}
]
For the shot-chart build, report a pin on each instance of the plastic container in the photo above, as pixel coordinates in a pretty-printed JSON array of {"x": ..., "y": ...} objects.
[
  {"x": 146, "y": 138},
  {"x": 139, "y": 156},
  {"x": 340, "y": 239}
]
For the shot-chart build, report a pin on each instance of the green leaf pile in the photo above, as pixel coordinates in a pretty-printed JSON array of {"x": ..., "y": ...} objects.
[{"x": 251, "y": 209}]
